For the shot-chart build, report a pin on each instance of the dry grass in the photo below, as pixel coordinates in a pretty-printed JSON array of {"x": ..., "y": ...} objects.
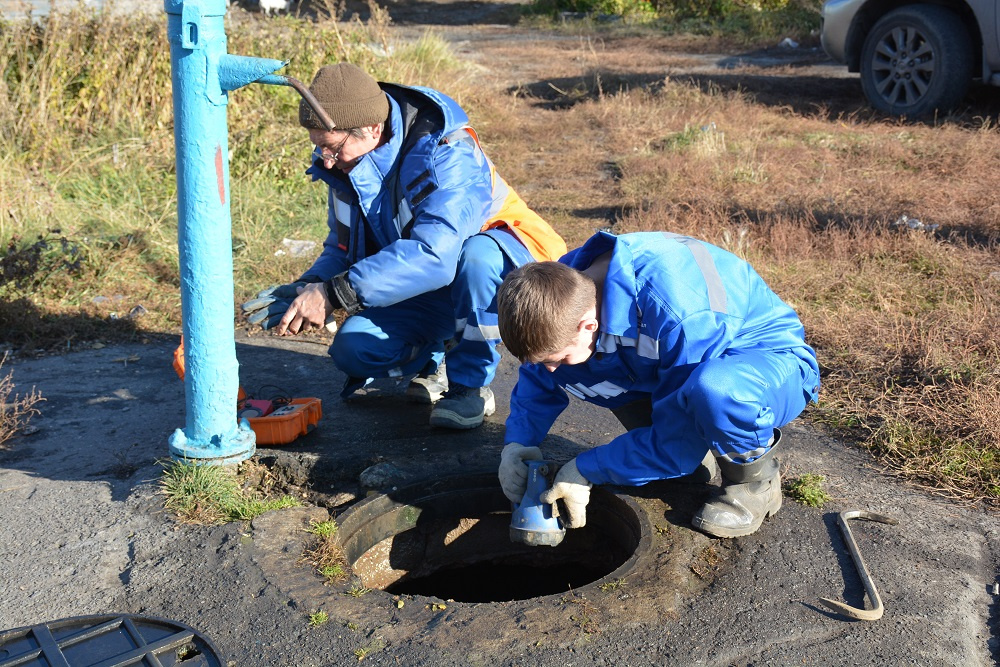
[
  {"x": 596, "y": 132},
  {"x": 325, "y": 554},
  {"x": 903, "y": 320},
  {"x": 16, "y": 410},
  {"x": 89, "y": 170}
]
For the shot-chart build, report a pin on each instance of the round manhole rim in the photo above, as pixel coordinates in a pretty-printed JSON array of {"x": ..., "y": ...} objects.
[{"x": 350, "y": 523}]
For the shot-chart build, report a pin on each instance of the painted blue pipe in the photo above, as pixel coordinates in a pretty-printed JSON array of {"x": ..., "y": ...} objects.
[{"x": 202, "y": 76}]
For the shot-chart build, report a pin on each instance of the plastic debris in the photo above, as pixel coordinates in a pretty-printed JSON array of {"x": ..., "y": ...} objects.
[
  {"x": 913, "y": 223},
  {"x": 788, "y": 43},
  {"x": 296, "y": 248},
  {"x": 138, "y": 311}
]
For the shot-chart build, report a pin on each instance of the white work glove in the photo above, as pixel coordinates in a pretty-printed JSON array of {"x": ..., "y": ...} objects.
[
  {"x": 513, "y": 472},
  {"x": 574, "y": 490}
]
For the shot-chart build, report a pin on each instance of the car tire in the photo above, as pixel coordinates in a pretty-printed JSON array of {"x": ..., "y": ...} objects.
[{"x": 935, "y": 79}]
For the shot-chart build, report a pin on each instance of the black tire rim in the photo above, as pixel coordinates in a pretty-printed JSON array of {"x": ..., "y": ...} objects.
[{"x": 902, "y": 66}]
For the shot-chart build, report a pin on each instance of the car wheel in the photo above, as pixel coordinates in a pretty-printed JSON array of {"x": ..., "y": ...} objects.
[{"x": 917, "y": 60}]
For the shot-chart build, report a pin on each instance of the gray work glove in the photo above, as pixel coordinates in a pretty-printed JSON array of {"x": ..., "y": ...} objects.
[
  {"x": 268, "y": 307},
  {"x": 513, "y": 472},
  {"x": 574, "y": 490}
]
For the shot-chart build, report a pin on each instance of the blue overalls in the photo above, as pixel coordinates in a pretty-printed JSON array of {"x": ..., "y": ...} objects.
[{"x": 695, "y": 331}]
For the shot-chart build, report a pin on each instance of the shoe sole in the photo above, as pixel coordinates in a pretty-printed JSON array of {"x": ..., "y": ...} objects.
[{"x": 450, "y": 419}]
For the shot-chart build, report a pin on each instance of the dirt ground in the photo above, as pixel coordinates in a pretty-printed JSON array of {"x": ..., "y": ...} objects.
[{"x": 82, "y": 529}]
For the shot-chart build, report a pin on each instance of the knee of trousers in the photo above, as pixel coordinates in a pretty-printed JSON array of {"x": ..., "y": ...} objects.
[
  {"x": 481, "y": 262},
  {"x": 364, "y": 355},
  {"x": 725, "y": 391}
]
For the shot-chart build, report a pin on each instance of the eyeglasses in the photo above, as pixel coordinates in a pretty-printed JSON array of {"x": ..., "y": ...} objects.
[{"x": 331, "y": 156}]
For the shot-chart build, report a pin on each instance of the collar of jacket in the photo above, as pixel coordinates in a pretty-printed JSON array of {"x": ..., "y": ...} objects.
[
  {"x": 371, "y": 170},
  {"x": 372, "y": 167},
  {"x": 619, "y": 312}
]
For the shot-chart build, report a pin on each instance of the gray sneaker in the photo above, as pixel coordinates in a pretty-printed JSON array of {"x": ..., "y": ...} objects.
[
  {"x": 428, "y": 386},
  {"x": 463, "y": 407}
]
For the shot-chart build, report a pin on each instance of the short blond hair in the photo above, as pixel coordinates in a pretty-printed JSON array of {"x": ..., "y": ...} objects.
[{"x": 540, "y": 306}]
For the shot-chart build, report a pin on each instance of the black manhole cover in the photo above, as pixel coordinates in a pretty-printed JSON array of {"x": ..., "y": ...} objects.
[
  {"x": 450, "y": 539},
  {"x": 109, "y": 641}
]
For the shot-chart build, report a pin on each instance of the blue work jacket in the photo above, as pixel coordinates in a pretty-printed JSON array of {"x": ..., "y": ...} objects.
[
  {"x": 669, "y": 303},
  {"x": 399, "y": 219}
]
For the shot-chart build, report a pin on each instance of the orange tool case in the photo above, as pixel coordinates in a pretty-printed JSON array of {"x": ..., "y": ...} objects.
[{"x": 284, "y": 424}]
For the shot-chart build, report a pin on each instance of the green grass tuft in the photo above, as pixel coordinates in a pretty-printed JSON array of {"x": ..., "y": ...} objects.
[
  {"x": 358, "y": 591},
  {"x": 374, "y": 646},
  {"x": 807, "y": 489},
  {"x": 317, "y": 619},
  {"x": 323, "y": 529},
  {"x": 326, "y": 554},
  {"x": 207, "y": 494}
]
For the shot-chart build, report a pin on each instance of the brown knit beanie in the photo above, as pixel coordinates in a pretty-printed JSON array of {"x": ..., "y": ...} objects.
[{"x": 349, "y": 95}]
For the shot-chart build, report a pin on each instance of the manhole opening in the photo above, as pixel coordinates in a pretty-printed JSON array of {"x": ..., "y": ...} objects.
[{"x": 451, "y": 540}]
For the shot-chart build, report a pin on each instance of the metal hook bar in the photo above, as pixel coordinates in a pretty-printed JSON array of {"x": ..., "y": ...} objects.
[
  {"x": 862, "y": 614},
  {"x": 303, "y": 90}
]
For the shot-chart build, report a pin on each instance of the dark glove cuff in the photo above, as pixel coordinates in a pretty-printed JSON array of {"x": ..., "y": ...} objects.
[{"x": 341, "y": 294}]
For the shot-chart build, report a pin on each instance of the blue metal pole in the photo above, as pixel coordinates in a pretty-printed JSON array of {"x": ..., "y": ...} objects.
[{"x": 202, "y": 75}]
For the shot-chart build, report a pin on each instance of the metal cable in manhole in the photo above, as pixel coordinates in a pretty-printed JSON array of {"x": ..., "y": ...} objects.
[
  {"x": 108, "y": 640},
  {"x": 450, "y": 539}
]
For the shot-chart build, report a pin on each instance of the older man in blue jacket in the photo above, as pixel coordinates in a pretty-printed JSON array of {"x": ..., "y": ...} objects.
[
  {"x": 684, "y": 342},
  {"x": 422, "y": 232}
]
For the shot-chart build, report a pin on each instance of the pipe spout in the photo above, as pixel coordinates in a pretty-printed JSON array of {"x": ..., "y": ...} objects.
[{"x": 238, "y": 71}]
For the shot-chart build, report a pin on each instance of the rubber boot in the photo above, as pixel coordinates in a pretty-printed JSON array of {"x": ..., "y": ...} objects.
[
  {"x": 704, "y": 473},
  {"x": 751, "y": 492}
]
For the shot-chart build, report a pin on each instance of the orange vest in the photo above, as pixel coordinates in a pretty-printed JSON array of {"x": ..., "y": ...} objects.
[{"x": 538, "y": 237}]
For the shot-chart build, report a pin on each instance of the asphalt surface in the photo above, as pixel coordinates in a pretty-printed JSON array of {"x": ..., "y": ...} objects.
[{"x": 82, "y": 532}]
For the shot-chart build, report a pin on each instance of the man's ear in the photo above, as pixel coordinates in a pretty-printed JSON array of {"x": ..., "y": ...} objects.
[{"x": 589, "y": 321}]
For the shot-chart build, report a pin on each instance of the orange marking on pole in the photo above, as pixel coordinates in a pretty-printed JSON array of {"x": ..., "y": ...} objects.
[{"x": 218, "y": 174}]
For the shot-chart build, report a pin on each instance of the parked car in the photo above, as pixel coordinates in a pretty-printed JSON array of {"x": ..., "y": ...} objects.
[{"x": 915, "y": 58}]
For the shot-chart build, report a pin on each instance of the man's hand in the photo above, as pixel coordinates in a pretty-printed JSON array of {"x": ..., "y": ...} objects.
[
  {"x": 514, "y": 471},
  {"x": 270, "y": 305},
  {"x": 574, "y": 490},
  {"x": 310, "y": 308}
]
